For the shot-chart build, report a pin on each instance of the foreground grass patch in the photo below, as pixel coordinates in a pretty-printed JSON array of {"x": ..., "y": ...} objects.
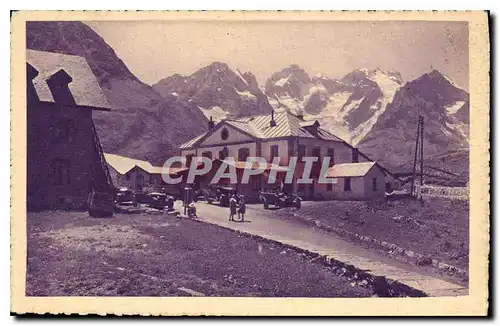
[{"x": 70, "y": 254}]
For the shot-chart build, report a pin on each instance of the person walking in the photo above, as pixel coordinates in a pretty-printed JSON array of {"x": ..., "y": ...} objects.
[
  {"x": 242, "y": 209},
  {"x": 232, "y": 207}
]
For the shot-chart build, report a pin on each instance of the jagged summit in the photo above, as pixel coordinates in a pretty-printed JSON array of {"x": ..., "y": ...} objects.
[{"x": 217, "y": 91}]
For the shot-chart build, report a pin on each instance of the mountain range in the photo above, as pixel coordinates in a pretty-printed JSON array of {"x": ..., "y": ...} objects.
[{"x": 374, "y": 109}]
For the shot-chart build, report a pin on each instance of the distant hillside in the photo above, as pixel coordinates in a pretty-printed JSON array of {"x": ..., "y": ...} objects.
[
  {"x": 446, "y": 169},
  {"x": 142, "y": 124},
  {"x": 217, "y": 91}
]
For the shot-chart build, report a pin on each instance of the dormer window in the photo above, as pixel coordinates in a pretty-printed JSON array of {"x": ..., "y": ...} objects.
[
  {"x": 311, "y": 126},
  {"x": 59, "y": 87}
]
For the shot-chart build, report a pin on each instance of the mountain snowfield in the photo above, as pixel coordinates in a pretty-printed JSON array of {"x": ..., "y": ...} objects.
[{"x": 332, "y": 101}]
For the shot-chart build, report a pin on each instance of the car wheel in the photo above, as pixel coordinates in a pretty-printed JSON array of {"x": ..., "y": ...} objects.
[{"x": 266, "y": 205}]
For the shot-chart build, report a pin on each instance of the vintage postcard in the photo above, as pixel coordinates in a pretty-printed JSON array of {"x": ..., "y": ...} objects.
[{"x": 250, "y": 163}]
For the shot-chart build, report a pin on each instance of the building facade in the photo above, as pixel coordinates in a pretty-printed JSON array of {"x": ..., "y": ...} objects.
[
  {"x": 284, "y": 135},
  {"x": 64, "y": 156}
]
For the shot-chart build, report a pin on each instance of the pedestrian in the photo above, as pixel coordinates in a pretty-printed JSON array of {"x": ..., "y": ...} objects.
[
  {"x": 242, "y": 209},
  {"x": 232, "y": 207}
]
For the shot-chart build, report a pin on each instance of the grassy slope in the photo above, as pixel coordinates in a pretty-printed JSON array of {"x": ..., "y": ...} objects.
[
  {"x": 443, "y": 232},
  {"x": 144, "y": 255}
]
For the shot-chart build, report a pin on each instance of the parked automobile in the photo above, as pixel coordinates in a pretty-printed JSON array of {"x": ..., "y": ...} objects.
[
  {"x": 279, "y": 199},
  {"x": 157, "y": 200},
  {"x": 220, "y": 194},
  {"x": 126, "y": 197},
  {"x": 100, "y": 204}
]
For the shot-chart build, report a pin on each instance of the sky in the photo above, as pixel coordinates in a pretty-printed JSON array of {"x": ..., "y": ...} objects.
[{"x": 153, "y": 50}]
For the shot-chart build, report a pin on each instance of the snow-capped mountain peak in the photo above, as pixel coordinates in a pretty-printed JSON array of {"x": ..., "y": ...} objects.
[{"x": 217, "y": 90}]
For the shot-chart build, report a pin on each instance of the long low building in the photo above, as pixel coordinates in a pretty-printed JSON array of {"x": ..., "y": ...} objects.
[
  {"x": 137, "y": 175},
  {"x": 284, "y": 135}
]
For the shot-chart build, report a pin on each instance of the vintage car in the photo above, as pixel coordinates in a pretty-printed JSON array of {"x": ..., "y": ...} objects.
[
  {"x": 279, "y": 199},
  {"x": 126, "y": 197},
  {"x": 220, "y": 194},
  {"x": 157, "y": 200},
  {"x": 100, "y": 204}
]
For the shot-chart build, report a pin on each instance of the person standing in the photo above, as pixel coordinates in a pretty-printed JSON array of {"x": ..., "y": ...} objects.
[
  {"x": 242, "y": 209},
  {"x": 232, "y": 207}
]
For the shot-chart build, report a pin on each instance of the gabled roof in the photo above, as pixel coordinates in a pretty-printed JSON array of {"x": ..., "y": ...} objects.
[
  {"x": 123, "y": 164},
  {"x": 350, "y": 169},
  {"x": 259, "y": 126},
  {"x": 84, "y": 86}
]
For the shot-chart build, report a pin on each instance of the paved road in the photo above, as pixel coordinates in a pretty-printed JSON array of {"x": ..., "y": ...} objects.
[{"x": 259, "y": 222}]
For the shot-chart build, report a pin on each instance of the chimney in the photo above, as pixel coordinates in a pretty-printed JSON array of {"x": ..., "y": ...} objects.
[
  {"x": 272, "y": 122},
  {"x": 59, "y": 87},
  {"x": 211, "y": 124},
  {"x": 31, "y": 73}
]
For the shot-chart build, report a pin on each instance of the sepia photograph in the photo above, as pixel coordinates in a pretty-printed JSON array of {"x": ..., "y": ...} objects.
[{"x": 251, "y": 158}]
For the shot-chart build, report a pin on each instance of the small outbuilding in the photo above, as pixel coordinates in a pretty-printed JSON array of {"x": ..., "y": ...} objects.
[{"x": 353, "y": 181}]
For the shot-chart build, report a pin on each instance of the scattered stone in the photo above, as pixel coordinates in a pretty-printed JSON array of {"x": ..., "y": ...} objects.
[
  {"x": 442, "y": 265},
  {"x": 409, "y": 253},
  {"x": 398, "y": 219},
  {"x": 424, "y": 261}
]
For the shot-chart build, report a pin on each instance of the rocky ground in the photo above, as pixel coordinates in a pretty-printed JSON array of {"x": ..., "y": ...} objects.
[{"x": 70, "y": 254}]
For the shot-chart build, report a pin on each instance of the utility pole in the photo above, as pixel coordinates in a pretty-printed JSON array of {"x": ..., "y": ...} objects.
[
  {"x": 419, "y": 154},
  {"x": 415, "y": 157},
  {"x": 421, "y": 151}
]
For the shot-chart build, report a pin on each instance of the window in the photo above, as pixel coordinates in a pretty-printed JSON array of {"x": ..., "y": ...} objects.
[
  {"x": 255, "y": 182},
  {"x": 355, "y": 155},
  {"x": 331, "y": 155},
  {"x": 61, "y": 171},
  {"x": 329, "y": 187},
  {"x": 374, "y": 184},
  {"x": 301, "y": 152},
  {"x": 207, "y": 154},
  {"x": 189, "y": 159},
  {"x": 64, "y": 129},
  {"x": 224, "y": 134},
  {"x": 347, "y": 184},
  {"x": 274, "y": 151},
  {"x": 316, "y": 152},
  {"x": 127, "y": 176},
  {"x": 243, "y": 154},
  {"x": 223, "y": 154}
]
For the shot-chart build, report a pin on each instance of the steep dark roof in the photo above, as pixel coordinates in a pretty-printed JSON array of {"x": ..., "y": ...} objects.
[{"x": 83, "y": 86}]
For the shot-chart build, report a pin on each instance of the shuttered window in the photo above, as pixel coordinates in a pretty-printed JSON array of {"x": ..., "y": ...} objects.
[{"x": 347, "y": 184}]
